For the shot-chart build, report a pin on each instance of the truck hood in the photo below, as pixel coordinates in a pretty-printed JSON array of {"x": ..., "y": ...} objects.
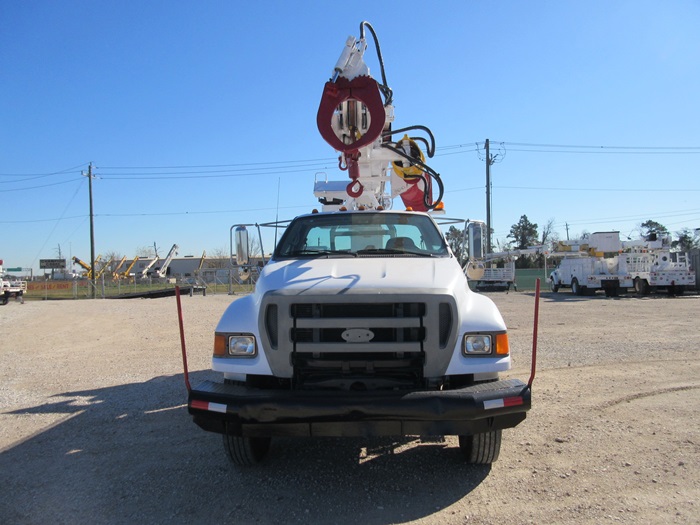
[{"x": 361, "y": 275}]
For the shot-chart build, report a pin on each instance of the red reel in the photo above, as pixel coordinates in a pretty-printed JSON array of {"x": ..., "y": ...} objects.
[{"x": 364, "y": 89}]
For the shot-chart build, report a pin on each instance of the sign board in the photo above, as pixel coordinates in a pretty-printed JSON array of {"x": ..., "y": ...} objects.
[
  {"x": 50, "y": 264},
  {"x": 18, "y": 269}
]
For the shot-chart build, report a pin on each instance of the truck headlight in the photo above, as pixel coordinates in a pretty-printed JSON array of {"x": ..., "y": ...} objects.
[
  {"x": 235, "y": 345},
  {"x": 479, "y": 344},
  {"x": 485, "y": 344}
]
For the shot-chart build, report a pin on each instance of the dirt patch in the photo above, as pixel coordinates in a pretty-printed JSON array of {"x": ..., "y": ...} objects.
[{"x": 94, "y": 429}]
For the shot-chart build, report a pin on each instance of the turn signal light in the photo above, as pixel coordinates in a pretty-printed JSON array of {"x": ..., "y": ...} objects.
[
  {"x": 502, "y": 347},
  {"x": 220, "y": 345}
]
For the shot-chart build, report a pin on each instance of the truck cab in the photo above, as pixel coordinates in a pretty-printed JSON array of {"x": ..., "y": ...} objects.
[{"x": 361, "y": 324}]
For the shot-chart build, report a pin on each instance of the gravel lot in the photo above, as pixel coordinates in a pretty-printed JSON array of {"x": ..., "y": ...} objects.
[{"x": 94, "y": 429}]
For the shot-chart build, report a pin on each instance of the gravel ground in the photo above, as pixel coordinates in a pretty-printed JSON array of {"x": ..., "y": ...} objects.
[{"x": 94, "y": 428}]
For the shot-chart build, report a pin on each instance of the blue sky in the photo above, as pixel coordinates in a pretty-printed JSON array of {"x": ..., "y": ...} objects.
[{"x": 200, "y": 115}]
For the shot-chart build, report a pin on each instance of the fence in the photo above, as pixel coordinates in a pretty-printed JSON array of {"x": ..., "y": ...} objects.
[
  {"x": 226, "y": 281},
  {"x": 525, "y": 278}
]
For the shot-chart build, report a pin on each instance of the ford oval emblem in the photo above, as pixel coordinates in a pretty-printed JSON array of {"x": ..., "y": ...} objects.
[{"x": 358, "y": 335}]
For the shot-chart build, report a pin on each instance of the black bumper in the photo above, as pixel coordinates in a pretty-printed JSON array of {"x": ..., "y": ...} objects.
[{"x": 237, "y": 410}]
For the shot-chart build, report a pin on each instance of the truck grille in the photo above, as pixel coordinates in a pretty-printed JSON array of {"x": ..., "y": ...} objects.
[
  {"x": 311, "y": 335},
  {"x": 320, "y": 323}
]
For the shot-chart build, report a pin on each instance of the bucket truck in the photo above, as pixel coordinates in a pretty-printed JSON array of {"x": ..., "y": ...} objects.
[
  {"x": 591, "y": 265},
  {"x": 652, "y": 266},
  {"x": 493, "y": 271},
  {"x": 11, "y": 287},
  {"x": 362, "y": 322}
]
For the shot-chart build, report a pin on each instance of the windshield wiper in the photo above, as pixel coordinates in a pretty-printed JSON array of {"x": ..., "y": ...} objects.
[
  {"x": 306, "y": 251},
  {"x": 392, "y": 251}
]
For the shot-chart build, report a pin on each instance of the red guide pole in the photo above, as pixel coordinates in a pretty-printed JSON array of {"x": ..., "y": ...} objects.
[
  {"x": 534, "y": 333},
  {"x": 182, "y": 339}
]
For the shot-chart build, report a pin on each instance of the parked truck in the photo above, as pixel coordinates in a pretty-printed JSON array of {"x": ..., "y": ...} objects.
[
  {"x": 652, "y": 266},
  {"x": 10, "y": 287},
  {"x": 590, "y": 265},
  {"x": 362, "y": 322},
  {"x": 492, "y": 271},
  {"x": 605, "y": 262}
]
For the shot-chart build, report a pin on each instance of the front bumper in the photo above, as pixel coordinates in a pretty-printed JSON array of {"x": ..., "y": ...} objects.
[{"x": 238, "y": 410}]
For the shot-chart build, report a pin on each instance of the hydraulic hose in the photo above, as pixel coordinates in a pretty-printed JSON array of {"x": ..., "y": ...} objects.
[
  {"x": 427, "y": 169},
  {"x": 384, "y": 87},
  {"x": 430, "y": 148}
]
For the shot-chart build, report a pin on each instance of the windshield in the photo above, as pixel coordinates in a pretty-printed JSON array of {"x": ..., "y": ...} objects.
[{"x": 363, "y": 234}]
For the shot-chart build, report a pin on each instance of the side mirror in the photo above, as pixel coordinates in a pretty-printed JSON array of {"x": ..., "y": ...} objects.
[
  {"x": 242, "y": 254},
  {"x": 241, "y": 240},
  {"x": 475, "y": 270},
  {"x": 476, "y": 240}
]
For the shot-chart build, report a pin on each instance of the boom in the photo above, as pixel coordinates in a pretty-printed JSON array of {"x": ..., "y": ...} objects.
[{"x": 163, "y": 270}]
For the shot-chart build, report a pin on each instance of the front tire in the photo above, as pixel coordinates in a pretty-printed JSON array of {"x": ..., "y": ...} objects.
[
  {"x": 641, "y": 286},
  {"x": 481, "y": 449},
  {"x": 245, "y": 451},
  {"x": 576, "y": 288},
  {"x": 553, "y": 286}
]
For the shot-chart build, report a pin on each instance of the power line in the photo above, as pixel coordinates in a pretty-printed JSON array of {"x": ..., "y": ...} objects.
[
  {"x": 292, "y": 166},
  {"x": 42, "y": 186},
  {"x": 30, "y": 221},
  {"x": 548, "y": 188},
  {"x": 609, "y": 152},
  {"x": 327, "y": 159},
  {"x": 35, "y": 175},
  {"x": 207, "y": 212},
  {"x": 206, "y": 174},
  {"x": 523, "y": 147},
  {"x": 678, "y": 148},
  {"x": 61, "y": 218}
]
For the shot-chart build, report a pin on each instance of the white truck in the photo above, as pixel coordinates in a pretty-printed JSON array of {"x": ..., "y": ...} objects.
[
  {"x": 492, "y": 271},
  {"x": 605, "y": 262},
  {"x": 11, "y": 287},
  {"x": 362, "y": 323},
  {"x": 652, "y": 266},
  {"x": 591, "y": 266}
]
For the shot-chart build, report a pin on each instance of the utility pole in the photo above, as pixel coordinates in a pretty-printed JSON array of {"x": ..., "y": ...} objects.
[
  {"x": 489, "y": 161},
  {"x": 93, "y": 282}
]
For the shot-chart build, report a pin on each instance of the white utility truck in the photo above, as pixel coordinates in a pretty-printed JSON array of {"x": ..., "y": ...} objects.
[
  {"x": 362, "y": 322},
  {"x": 652, "y": 266},
  {"x": 11, "y": 287},
  {"x": 590, "y": 266},
  {"x": 492, "y": 272}
]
